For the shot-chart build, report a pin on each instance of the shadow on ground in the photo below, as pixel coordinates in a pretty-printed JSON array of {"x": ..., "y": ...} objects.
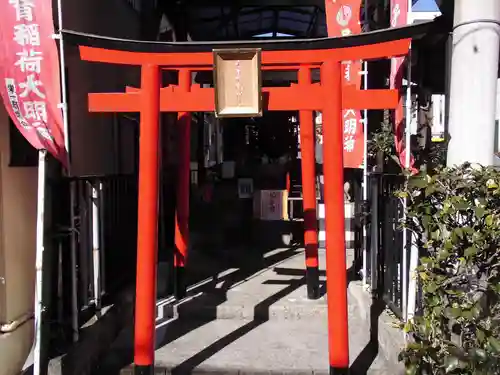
[{"x": 214, "y": 294}]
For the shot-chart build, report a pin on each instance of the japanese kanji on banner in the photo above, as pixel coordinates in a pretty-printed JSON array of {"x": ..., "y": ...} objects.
[
  {"x": 343, "y": 18},
  {"x": 29, "y": 73}
]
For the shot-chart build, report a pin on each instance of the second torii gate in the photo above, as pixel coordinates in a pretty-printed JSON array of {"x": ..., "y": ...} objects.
[{"x": 327, "y": 96}]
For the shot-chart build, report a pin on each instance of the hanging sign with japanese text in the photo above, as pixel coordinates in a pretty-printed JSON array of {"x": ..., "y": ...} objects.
[
  {"x": 343, "y": 18},
  {"x": 29, "y": 73}
]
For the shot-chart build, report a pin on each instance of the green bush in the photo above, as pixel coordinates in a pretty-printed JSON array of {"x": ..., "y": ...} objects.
[{"x": 455, "y": 215}]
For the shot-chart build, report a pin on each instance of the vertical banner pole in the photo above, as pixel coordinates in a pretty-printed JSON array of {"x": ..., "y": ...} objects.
[
  {"x": 40, "y": 229},
  {"x": 406, "y": 233},
  {"x": 147, "y": 228},
  {"x": 307, "y": 146},
  {"x": 96, "y": 245},
  {"x": 365, "y": 163},
  {"x": 413, "y": 250},
  {"x": 183, "y": 188},
  {"x": 336, "y": 275}
]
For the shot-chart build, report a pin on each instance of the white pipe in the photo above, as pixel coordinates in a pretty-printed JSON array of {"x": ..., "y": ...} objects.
[
  {"x": 96, "y": 192},
  {"x": 40, "y": 229},
  {"x": 365, "y": 161},
  {"x": 64, "y": 108},
  {"x": 404, "y": 264},
  {"x": 365, "y": 174}
]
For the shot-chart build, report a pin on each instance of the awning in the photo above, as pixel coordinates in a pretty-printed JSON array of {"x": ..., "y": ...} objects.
[{"x": 417, "y": 31}]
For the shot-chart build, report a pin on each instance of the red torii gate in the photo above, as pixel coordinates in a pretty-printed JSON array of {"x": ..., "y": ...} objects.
[{"x": 327, "y": 96}]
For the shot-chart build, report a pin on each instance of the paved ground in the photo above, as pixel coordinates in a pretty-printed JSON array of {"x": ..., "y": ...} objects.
[{"x": 256, "y": 320}]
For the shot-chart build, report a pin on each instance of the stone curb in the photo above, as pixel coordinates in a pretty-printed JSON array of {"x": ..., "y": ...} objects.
[
  {"x": 207, "y": 309},
  {"x": 207, "y": 370},
  {"x": 95, "y": 340},
  {"x": 389, "y": 345}
]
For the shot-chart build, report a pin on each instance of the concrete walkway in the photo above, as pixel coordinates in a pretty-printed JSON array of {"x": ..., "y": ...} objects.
[{"x": 239, "y": 322}]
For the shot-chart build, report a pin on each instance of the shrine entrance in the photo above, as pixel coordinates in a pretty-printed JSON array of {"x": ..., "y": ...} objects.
[{"x": 238, "y": 92}]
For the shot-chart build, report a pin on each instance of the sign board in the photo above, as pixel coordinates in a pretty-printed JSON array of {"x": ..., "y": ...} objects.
[
  {"x": 237, "y": 83},
  {"x": 245, "y": 188},
  {"x": 271, "y": 205}
]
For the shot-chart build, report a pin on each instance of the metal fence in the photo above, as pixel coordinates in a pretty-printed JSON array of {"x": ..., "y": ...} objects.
[
  {"x": 385, "y": 241},
  {"x": 96, "y": 231},
  {"x": 94, "y": 235}
]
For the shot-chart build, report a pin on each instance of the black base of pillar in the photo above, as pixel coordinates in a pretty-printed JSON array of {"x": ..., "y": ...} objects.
[
  {"x": 339, "y": 371},
  {"x": 180, "y": 282},
  {"x": 312, "y": 279},
  {"x": 144, "y": 370}
]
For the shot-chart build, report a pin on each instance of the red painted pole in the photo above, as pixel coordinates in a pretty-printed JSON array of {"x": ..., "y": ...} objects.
[
  {"x": 182, "y": 209},
  {"x": 308, "y": 160},
  {"x": 336, "y": 275},
  {"x": 147, "y": 228}
]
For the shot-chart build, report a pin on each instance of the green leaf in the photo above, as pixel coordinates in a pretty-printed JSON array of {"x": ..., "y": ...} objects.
[
  {"x": 489, "y": 220},
  {"x": 458, "y": 232},
  {"x": 454, "y": 312},
  {"x": 429, "y": 190},
  {"x": 480, "y": 336},
  {"x": 411, "y": 369},
  {"x": 425, "y": 260},
  {"x": 479, "y": 211},
  {"x": 426, "y": 219},
  {"x": 462, "y": 206},
  {"x": 431, "y": 287},
  {"x": 435, "y": 235},
  {"x": 451, "y": 364},
  {"x": 471, "y": 251},
  {"x": 467, "y": 314},
  {"x": 494, "y": 343},
  {"x": 417, "y": 182},
  {"x": 479, "y": 354},
  {"x": 491, "y": 184}
]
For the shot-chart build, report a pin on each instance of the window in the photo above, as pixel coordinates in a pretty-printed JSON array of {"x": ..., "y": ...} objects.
[{"x": 22, "y": 153}]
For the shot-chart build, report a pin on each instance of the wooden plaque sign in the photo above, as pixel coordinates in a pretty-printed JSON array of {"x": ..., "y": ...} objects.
[{"x": 237, "y": 83}]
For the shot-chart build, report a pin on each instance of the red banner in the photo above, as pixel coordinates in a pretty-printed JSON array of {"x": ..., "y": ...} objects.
[
  {"x": 343, "y": 18},
  {"x": 399, "y": 17},
  {"x": 29, "y": 73}
]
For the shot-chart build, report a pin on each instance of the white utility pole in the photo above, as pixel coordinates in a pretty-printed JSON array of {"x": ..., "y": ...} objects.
[{"x": 473, "y": 86}]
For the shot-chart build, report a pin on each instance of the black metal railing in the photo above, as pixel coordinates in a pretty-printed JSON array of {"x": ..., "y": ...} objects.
[
  {"x": 385, "y": 240},
  {"x": 101, "y": 233}
]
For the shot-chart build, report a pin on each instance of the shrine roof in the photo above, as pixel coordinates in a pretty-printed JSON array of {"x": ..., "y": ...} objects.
[{"x": 416, "y": 32}]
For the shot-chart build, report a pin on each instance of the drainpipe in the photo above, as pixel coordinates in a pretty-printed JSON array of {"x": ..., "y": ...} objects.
[{"x": 473, "y": 87}]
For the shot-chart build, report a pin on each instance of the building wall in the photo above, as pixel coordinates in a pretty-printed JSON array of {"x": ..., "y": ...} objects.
[
  {"x": 95, "y": 139},
  {"x": 18, "y": 198},
  {"x": 95, "y": 145}
]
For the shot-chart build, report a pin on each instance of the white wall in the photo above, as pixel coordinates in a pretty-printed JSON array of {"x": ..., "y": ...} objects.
[{"x": 18, "y": 196}]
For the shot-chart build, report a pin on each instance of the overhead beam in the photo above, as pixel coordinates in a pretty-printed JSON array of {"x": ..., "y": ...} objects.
[
  {"x": 295, "y": 97},
  {"x": 305, "y": 56}
]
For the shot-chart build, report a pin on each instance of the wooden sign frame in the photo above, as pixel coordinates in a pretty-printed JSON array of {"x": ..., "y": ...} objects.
[{"x": 248, "y": 85}]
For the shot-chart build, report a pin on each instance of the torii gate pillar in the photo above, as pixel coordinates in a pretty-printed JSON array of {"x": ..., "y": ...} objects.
[{"x": 147, "y": 234}]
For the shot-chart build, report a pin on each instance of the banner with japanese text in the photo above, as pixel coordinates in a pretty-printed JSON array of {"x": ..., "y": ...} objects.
[
  {"x": 29, "y": 73},
  {"x": 343, "y": 18},
  {"x": 399, "y": 17}
]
